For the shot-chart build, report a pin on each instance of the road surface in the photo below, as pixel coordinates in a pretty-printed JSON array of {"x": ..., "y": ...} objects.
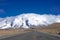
[{"x": 33, "y": 36}]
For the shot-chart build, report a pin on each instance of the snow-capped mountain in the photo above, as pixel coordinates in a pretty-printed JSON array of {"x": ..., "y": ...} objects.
[{"x": 25, "y": 20}]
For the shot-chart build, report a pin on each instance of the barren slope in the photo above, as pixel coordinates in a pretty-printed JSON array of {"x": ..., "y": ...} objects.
[{"x": 53, "y": 28}]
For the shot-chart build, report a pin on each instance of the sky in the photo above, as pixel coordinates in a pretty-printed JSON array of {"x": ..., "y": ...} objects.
[{"x": 16, "y": 7}]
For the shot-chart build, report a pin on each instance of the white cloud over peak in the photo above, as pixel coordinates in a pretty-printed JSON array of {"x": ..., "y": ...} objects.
[
  {"x": 25, "y": 20},
  {"x": 2, "y": 11}
]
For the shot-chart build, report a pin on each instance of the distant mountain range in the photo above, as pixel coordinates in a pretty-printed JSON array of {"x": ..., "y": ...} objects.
[{"x": 27, "y": 19}]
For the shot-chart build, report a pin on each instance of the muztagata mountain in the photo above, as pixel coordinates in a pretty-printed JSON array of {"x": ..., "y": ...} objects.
[{"x": 26, "y": 19}]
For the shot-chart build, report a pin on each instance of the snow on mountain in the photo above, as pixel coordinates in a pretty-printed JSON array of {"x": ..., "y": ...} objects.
[
  {"x": 25, "y": 20},
  {"x": 6, "y": 23}
]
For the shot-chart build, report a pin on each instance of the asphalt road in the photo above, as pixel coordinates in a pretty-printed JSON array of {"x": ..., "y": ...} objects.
[{"x": 33, "y": 36}]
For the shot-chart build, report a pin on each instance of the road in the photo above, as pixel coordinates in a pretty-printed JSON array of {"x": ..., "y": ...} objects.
[{"x": 33, "y": 36}]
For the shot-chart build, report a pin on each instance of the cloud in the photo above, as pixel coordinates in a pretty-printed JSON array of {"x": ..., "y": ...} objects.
[{"x": 2, "y": 11}]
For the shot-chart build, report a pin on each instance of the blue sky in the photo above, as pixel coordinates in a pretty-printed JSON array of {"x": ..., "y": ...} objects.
[{"x": 16, "y": 7}]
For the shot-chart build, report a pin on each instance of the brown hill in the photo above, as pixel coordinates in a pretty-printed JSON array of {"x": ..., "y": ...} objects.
[
  {"x": 54, "y": 26},
  {"x": 53, "y": 29}
]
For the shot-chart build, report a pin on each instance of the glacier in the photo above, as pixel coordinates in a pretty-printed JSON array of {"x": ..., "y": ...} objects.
[{"x": 26, "y": 19}]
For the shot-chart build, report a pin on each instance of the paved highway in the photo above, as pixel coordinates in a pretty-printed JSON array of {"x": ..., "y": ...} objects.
[{"x": 33, "y": 36}]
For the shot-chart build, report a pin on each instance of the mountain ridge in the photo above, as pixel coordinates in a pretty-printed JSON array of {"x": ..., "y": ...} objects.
[{"x": 25, "y": 20}]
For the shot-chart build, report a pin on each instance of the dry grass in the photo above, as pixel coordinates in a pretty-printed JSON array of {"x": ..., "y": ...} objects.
[{"x": 13, "y": 32}]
